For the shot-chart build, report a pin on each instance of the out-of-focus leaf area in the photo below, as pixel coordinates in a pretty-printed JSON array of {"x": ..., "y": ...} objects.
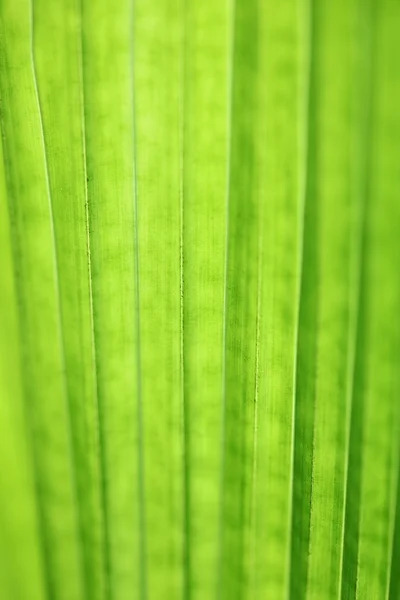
[{"x": 199, "y": 300}]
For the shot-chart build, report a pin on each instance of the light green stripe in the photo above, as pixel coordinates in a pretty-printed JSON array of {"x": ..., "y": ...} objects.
[
  {"x": 204, "y": 164},
  {"x": 18, "y": 518},
  {"x": 281, "y": 86},
  {"x": 108, "y": 107},
  {"x": 158, "y": 30}
]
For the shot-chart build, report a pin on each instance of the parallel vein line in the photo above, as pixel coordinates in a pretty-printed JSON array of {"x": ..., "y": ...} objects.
[
  {"x": 184, "y": 399},
  {"x": 230, "y": 4},
  {"x": 71, "y": 453},
  {"x": 355, "y": 415},
  {"x": 141, "y": 457},
  {"x": 98, "y": 424},
  {"x": 305, "y": 25}
]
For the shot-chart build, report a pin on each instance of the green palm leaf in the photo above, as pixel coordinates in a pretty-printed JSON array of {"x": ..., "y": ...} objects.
[{"x": 199, "y": 299}]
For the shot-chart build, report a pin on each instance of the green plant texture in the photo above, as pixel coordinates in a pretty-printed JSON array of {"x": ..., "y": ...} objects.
[{"x": 199, "y": 300}]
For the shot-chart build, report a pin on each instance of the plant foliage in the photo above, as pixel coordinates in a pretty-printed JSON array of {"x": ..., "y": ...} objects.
[{"x": 199, "y": 299}]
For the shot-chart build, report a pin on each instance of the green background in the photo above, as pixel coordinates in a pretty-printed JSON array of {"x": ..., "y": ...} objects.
[{"x": 199, "y": 299}]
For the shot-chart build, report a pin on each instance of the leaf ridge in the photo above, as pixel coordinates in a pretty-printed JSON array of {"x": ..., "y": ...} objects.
[{"x": 71, "y": 453}]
